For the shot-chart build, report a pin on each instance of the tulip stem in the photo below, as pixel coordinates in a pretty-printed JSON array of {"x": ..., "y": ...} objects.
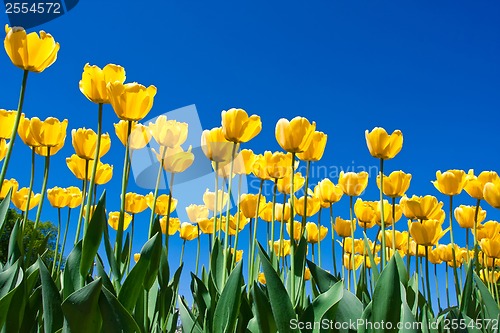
[
  {"x": 131, "y": 243},
  {"x": 238, "y": 221},
  {"x": 455, "y": 273},
  {"x": 312, "y": 252},
  {"x": 169, "y": 207},
  {"x": 216, "y": 201},
  {"x": 333, "y": 240},
  {"x": 44, "y": 188},
  {"x": 351, "y": 258},
  {"x": 476, "y": 248},
  {"x": 253, "y": 240},
  {"x": 319, "y": 235},
  {"x": 446, "y": 285},
  {"x": 306, "y": 187},
  {"x": 382, "y": 222},
  {"x": 155, "y": 195},
  {"x": 198, "y": 249},
  {"x": 94, "y": 170},
  {"x": 292, "y": 227},
  {"x": 437, "y": 288},
  {"x": 427, "y": 277},
  {"x": 393, "y": 225},
  {"x": 56, "y": 248},
  {"x": 32, "y": 180},
  {"x": 282, "y": 233},
  {"x": 64, "y": 239},
  {"x": 273, "y": 216},
  {"x": 182, "y": 252},
  {"x": 84, "y": 193},
  {"x": 228, "y": 213},
  {"x": 343, "y": 253},
  {"x": 13, "y": 135}
]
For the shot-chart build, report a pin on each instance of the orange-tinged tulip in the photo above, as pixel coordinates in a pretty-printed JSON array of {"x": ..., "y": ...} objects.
[
  {"x": 135, "y": 203},
  {"x": 95, "y": 80},
  {"x": 175, "y": 160},
  {"x": 174, "y": 225},
  {"x": 450, "y": 182},
  {"x": 465, "y": 216},
  {"x": 474, "y": 185},
  {"x": 352, "y": 183},
  {"x": 161, "y": 207},
  {"x": 238, "y": 127},
  {"x": 168, "y": 133},
  {"x": 131, "y": 101},
  {"x": 285, "y": 185},
  {"x": 58, "y": 197},
  {"x": 490, "y": 229},
  {"x": 366, "y": 213},
  {"x": 207, "y": 225},
  {"x": 315, "y": 235},
  {"x": 75, "y": 197},
  {"x": 297, "y": 229},
  {"x": 296, "y": 135},
  {"x": 7, "y": 119},
  {"x": 348, "y": 262},
  {"x": 114, "y": 218},
  {"x": 104, "y": 173},
  {"x": 491, "y": 247},
  {"x": 209, "y": 199},
  {"x": 85, "y": 143},
  {"x": 25, "y": 133},
  {"x": 50, "y": 132},
  {"x": 197, "y": 212},
  {"x": 139, "y": 134},
  {"x": 343, "y": 227},
  {"x": 7, "y": 185},
  {"x": 215, "y": 146},
  {"x": 327, "y": 192},
  {"x": 313, "y": 206},
  {"x": 277, "y": 164},
  {"x": 382, "y": 145},
  {"x": 427, "y": 232},
  {"x": 491, "y": 194},
  {"x": 316, "y": 149},
  {"x": 3, "y": 148},
  {"x": 396, "y": 184},
  {"x": 422, "y": 208},
  {"x": 248, "y": 204},
  {"x": 31, "y": 52},
  {"x": 188, "y": 231},
  {"x": 20, "y": 199},
  {"x": 261, "y": 278}
]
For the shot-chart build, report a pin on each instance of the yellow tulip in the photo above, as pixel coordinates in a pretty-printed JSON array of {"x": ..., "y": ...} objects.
[
  {"x": 396, "y": 184},
  {"x": 315, "y": 235},
  {"x": 197, "y": 212},
  {"x": 327, "y": 192},
  {"x": 277, "y": 164},
  {"x": 434, "y": 257},
  {"x": 313, "y": 206},
  {"x": 388, "y": 215},
  {"x": 474, "y": 185},
  {"x": 3, "y": 148},
  {"x": 382, "y": 145},
  {"x": 491, "y": 194},
  {"x": 25, "y": 133},
  {"x": 296, "y": 135},
  {"x": 174, "y": 225},
  {"x": 207, "y": 225},
  {"x": 239, "y": 254},
  {"x": 316, "y": 149},
  {"x": 75, "y": 197},
  {"x": 94, "y": 81},
  {"x": 188, "y": 231},
  {"x": 444, "y": 252},
  {"x": 77, "y": 166},
  {"x": 209, "y": 199},
  {"x": 259, "y": 168},
  {"x": 238, "y": 127},
  {"x": 490, "y": 229},
  {"x": 450, "y": 182},
  {"x": 58, "y": 197},
  {"x": 20, "y": 199},
  {"x": 307, "y": 274},
  {"x": 161, "y": 207},
  {"x": 359, "y": 245},
  {"x": 401, "y": 239},
  {"x": 85, "y": 142},
  {"x": 297, "y": 229},
  {"x": 266, "y": 213},
  {"x": 366, "y": 213},
  {"x": 104, "y": 173},
  {"x": 352, "y": 183},
  {"x": 114, "y": 218},
  {"x": 44, "y": 150},
  {"x": 135, "y": 203},
  {"x": 30, "y": 52},
  {"x": 348, "y": 263},
  {"x": 422, "y": 208},
  {"x": 168, "y": 133},
  {"x": 243, "y": 162},
  {"x": 7, "y": 185},
  {"x": 50, "y": 132},
  {"x": 412, "y": 250},
  {"x": 248, "y": 204},
  {"x": 285, "y": 247},
  {"x": 7, "y": 119},
  {"x": 235, "y": 224},
  {"x": 465, "y": 216},
  {"x": 487, "y": 275},
  {"x": 139, "y": 134},
  {"x": 175, "y": 160},
  {"x": 92, "y": 210},
  {"x": 427, "y": 232},
  {"x": 137, "y": 256},
  {"x": 261, "y": 278},
  {"x": 285, "y": 185},
  {"x": 131, "y": 101},
  {"x": 491, "y": 247},
  {"x": 215, "y": 146},
  {"x": 282, "y": 212},
  {"x": 343, "y": 227}
]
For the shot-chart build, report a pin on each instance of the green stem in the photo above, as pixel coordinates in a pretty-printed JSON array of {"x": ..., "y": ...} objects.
[
  {"x": 446, "y": 286},
  {"x": 44, "y": 188},
  {"x": 182, "y": 252},
  {"x": 254, "y": 237},
  {"x": 353, "y": 247},
  {"x": 476, "y": 248},
  {"x": 343, "y": 253},
  {"x": 84, "y": 194},
  {"x": 64, "y": 239},
  {"x": 382, "y": 222},
  {"x": 155, "y": 195},
  {"x": 333, "y": 240},
  {"x": 275, "y": 188},
  {"x": 131, "y": 243},
  {"x": 32, "y": 180},
  {"x": 437, "y": 288},
  {"x": 429, "y": 300},
  {"x": 282, "y": 234},
  {"x": 455, "y": 274},
  {"x": 292, "y": 227},
  {"x": 319, "y": 235},
  {"x": 56, "y": 249},
  {"x": 228, "y": 214},
  {"x": 16, "y": 126},
  {"x": 216, "y": 201},
  {"x": 169, "y": 206},
  {"x": 238, "y": 221},
  {"x": 304, "y": 215},
  {"x": 393, "y": 225},
  {"x": 312, "y": 252},
  {"x": 198, "y": 249}
]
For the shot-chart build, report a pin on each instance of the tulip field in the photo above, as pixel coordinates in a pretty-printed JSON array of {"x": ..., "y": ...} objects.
[{"x": 406, "y": 278}]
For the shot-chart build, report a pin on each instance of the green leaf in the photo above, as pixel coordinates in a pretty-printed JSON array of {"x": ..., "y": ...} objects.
[
  {"x": 386, "y": 301},
  {"x": 467, "y": 303},
  {"x": 300, "y": 261},
  {"x": 278, "y": 297},
  {"x": 133, "y": 285},
  {"x": 216, "y": 264},
  {"x": 202, "y": 299},
  {"x": 492, "y": 311},
  {"x": 228, "y": 306},
  {"x": 375, "y": 272},
  {"x": 152, "y": 270},
  {"x": 15, "y": 243},
  {"x": 106, "y": 282},
  {"x": 81, "y": 310},
  {"x": 71, "y": 276},
  {"x": 4, "y": 207},
  {"x": 93, "y": 236},
  {"x": 262, "y": 310},
  {"x": 115, "y": 318},
  {"x": 323, "y": 280},
  {"x": 189, "y": 324},
  {"x": 322, "y": 305},
  {"x": 110, "y": 254},
  {"x": 51, "y": 301},
  {"x": 10, "y": 279}
]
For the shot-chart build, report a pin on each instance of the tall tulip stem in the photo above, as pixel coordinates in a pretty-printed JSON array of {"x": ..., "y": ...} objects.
[
  {"x": 306, "y": 187},
  {"x": 393, "y": 225},
  {"x": 44, "y": 188},
  {"x": 228, "y": 208},
  {"x": 427, "y": 277},
  {"x": 292, "y": 227},
  {"x": 333, "y": 240},
  {"x": 455, "y": 273},
  {"x": 198, "y": 245},
  {"x": 238, "y": 221},
  {"x": 155, "y": 195},
  {"x": 64, "y": 239},
  {"x": 319, "y": 236},
  {"x": 253, "y": 241},
  {"x": 282, "y": 233},
  {"x": 84, "y": 193},
  {"x": 32, "y": 180},
  {"x": 353, "y": 250},
  {"x": 382, "y": 222},
  {"x": 273, "y": 215},
  {"x": 56, "y": 248},
  {"x": 216, "y": 200},
  {"x": 14, "y": 130},
  {"x": 476, "y": 248},
  {"x": 169, "y": 207}
]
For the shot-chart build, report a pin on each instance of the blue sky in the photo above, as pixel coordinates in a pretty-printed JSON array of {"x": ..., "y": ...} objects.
[{"x": 427, "y": 68}]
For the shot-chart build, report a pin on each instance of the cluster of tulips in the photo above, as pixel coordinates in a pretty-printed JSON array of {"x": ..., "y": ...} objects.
[{"x": 300, "y": 203}]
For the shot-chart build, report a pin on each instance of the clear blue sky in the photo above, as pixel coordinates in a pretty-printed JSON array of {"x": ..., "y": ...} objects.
[{"x": 428, "y": 68}]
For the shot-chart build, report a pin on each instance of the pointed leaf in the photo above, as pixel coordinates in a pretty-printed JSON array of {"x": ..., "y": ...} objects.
[
  {"x": 93, "y": 236},
  {"x": 51, "y": 300},
  {"x": 228, "y": 306}
]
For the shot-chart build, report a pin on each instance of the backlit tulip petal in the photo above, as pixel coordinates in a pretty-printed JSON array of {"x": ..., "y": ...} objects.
[
  {"x": 7, "y": 119},
  {"x": 316, "y": 149},
  {"x": 168, "y": 133},
  {"x": 238, "y": 127},
  {"x": 352, "y": 183},
  {"x": 131, "y": 101},
  {"x": 382, "y": 145},
  {"x": 450, "y": 182},
  {"x": 294, "y": 135},
  {"x": 396, "y": 184},
  {"x": 94, "y": 81}
]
